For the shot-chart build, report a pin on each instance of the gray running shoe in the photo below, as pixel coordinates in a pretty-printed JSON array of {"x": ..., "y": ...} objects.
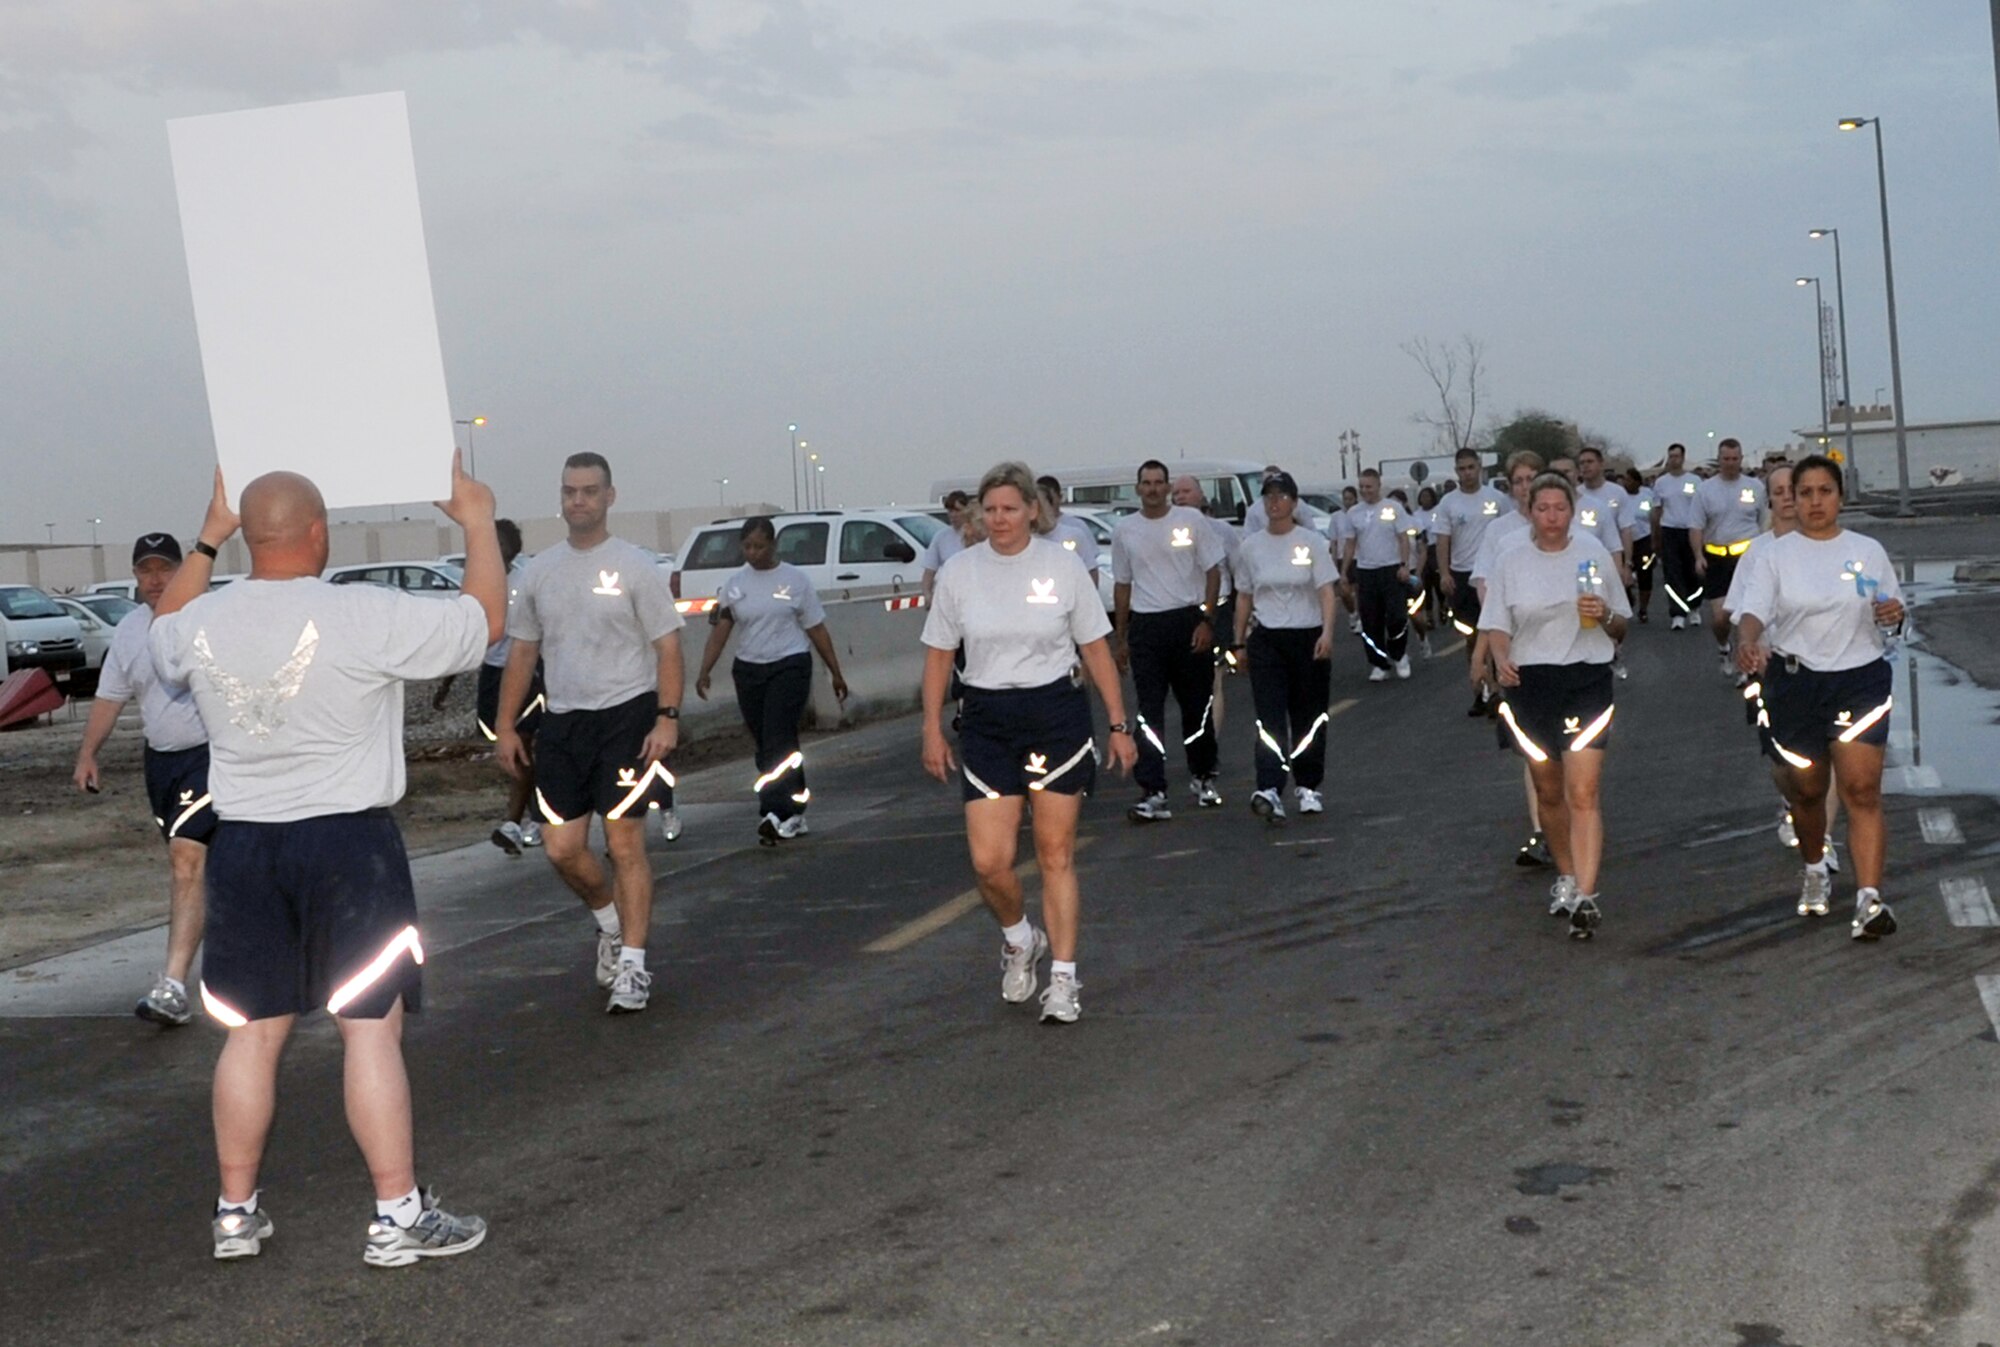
[
  {"x": 241, "y": 1234},
  {"x": 608, "y": 947},
  {"x": 1018, "y": 978},
  {"x": 1815, "y": 889},
  {"x": 1562, "y": 896},
  {"x": 165, "y": 1007},
  {"x": 1535, "y": 851},
  {"x": 508, "y": 838},
  {"x": 669, "y": 822},
  {"x": 531, "y": 833},
  {"x": 793, "y": 827},
  {"x": 767, "y": 830},
  {"x": 1832, "y": 857},
  {"x": 1204, "y": 792},
  {"x": 1153, "y": 809},
  {"x": 435, "y": 1234},
  {"x": 1268, "y": 805},
  {"x": 1872, "y": 917},
  {"x": 1788, "y": 833},
  {"x": 629, "y": 990},
  {"x": 1583, "y": 919},
  {"x": 1308, "y": 799},
  {"x": 1059, "y": 1002}
]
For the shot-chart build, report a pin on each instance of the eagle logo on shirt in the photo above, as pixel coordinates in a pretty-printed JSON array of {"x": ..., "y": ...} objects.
[
  {"x": 1589, "y": 518},
  {"x": 783, "y": 593},
  {"x": 1490, "y": 508},
  {"x": 259, "y": 708},
  {"x": 1388, "y": 515},
  {"x": 1302, "y": 555},
  {"x": 1645, "y": 507},
  {"x": 1687, "y": 488},
  {"x": 1069, "y": 544},
  {"x": 1748, "y": 496},
  {"x": 1183, "y": 537},
  {"x": 607, "y": 583},
  {"x": 1044, "y": 591},
  {"x": 1572, "y": 724},
  {"x": 1038, "y": 763}
]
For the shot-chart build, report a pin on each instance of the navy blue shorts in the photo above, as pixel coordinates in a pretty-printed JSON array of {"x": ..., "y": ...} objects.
[
  {"x": 1558, "y": 709},
  {"x": 588, "y": 762},
  {"x": 488, "y": 703},
  {"x": 1015, "y": 740},
  {"x": 177, "y": 786},
  {"x": 1721, "y": 570},
  {"x": 1809, "y": 710},
  {"x": 1465, "y": 605},
  {"x": 318, "y": 912}
]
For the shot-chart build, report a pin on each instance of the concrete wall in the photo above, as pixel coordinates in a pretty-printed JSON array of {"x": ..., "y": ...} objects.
[{"x": 1942, "y": 454}]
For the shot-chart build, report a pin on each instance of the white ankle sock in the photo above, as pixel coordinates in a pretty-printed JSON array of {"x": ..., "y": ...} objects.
[
  {"x": 402, "y": 1210},
  {"x": 1020, "y": 935},
  {"x": 1061, "y": 967},
  {"x": 1818, "y": 867},
  {"x": 249, "y": 1206},
  {"x": 607, "y": 918},
  {"x": 179, "y": 986},
  {"x": 631, "y": 956}
]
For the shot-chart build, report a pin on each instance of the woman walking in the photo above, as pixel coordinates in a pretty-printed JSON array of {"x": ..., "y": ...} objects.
[
  {"x": 1285, "y": 576},
  {"x": 1812, "y": 620},
  {"x": 779, "y": 612},
  {"x": 1554, "y": 613},
  {"x": 1026, "y": 613}
]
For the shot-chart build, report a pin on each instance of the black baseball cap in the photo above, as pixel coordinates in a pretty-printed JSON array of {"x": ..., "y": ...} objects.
[
  {"x": 1280, "y": 482},
  {"x": 156, "y": 545}
]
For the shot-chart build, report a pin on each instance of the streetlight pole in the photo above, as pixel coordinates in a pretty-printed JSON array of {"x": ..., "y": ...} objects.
[
  {"x": 1853, "y": 473},
  {"x": 793, "y": 467},
  {"x": 1889, "y": 290},
  {"x": 720, "y": 483},
  {"x": 93, "y": 531},
  {"x": 1819, "y": 349},
  {"x": 52, "y": 533},
  {"x": 822, "y": 486},
  {"x": 470, "y": 423}
]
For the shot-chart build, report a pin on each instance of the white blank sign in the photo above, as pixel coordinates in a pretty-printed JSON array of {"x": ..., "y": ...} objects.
[{"x": 312, "y": 298}]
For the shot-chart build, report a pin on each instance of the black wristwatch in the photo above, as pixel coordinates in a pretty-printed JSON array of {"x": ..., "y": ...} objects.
[
  {"x": 1118, "y": 727},
  {"x": 204, "y": 549},
  {"x": 671, "y": 712}
]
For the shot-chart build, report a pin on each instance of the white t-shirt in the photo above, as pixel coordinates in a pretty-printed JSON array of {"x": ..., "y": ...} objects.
[
  {"x": 1729, "y": 512},
  {"x": 772, "y": 610},
  {"x": 1020, "y": 618},
  {"x": 1232, "y": 543},
  {"x": 300, "y": 684},
  {"x": 1075, "y": 536},
  {"x": 496, "y": 654},
  {"x": 1165, "y": 560},
  {"x": 1376, "y": 528},
  {"x": 1600, "y": 523},
  {"x": 1645, "y": 505},
  {"x": 1491, "y": 544},
  {"x": 1463, "y": 517},
  {"x": 1282, "y": 573},
  {"x": 945, "y": 544},
  {"x": 1806, "y": 595},
  {"x": 1608, "y": 495},
  {"x": 167, "y": 712},
  {"x": 1339, "y": 528},
  {"x": 1531, "y": 595},
  {"x": 596, "y": 614},
  {"x": 1677, "y": 492}
]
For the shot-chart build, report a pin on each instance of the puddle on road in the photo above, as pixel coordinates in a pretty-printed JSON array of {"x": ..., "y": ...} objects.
[
  {"x": 1550, "y": 1179},
  {"x": 1944, "y": 735}
]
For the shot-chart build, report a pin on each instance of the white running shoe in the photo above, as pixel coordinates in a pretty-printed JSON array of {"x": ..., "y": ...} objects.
[
  {"x": 1725, "y": 665},
  {"x": 795, "y": 826},
  {"x": 669, "y": 821},
  {"x": 1268, "y": 805},
  {"x": 531, "y": 833},
  {"x": 239, "y": 1233},
  {"x": 1152, "y": 809},
  {"x": 1403, "y": 667},
  {"x": 1562, "y": 896},
  {"x": 1354, "y": 625},
  {"x": 508, "y": 838},
  {"x": 1378, "y": 675},
  {"x": 1060, "y": 1002},
  {"x": 1018, "y": 978},
  {"x": 1205, "y": 794},
  {"x": 1308, "y": 800},
  {"x": 1832, "y": 857},
  {"x": 1815, "y": 889},
  {"x": 1787, "y": 834},
  {"x": 1872, "y": 917},
  {"x": 1678, "y": 624},
  {"x": 608, "y": 947},
  {"x": 163, "y": 1005},
  {"x": 1618, "y": 669},
  {"x": 629, "y": 990}
]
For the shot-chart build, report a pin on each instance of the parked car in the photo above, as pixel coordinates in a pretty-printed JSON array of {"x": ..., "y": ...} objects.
[
  {"x": 837, "y": 549},
  {"x": 112, "y": 608},
  {"x": 414, "y": 577},
  {"x": 96, "y": 637},
  {"x": 38, "y": 633},
  {"x": 126, "y": 588}
]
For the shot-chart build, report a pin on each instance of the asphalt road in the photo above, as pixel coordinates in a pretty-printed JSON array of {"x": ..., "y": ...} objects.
[{"x": 1339, "y": 1083}]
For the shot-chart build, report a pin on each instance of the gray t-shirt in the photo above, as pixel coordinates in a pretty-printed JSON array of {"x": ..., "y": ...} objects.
[
  {"x": 1020, "y": 618},
  {"x": 300, "y": 684},
  {"x": 945, "y": 544},
  {"x": 1463, "y": 516},
  {"x": 1166, "y": 560},
  {"x": 596, "y": 614},
  {"x": 167, "y": 712},
  {"x": 1677, "y": 492},
  {"x": 772, "y": 611},
  {"x": 1376, "y": 528},
  {"x": 1729, "y": 512}
]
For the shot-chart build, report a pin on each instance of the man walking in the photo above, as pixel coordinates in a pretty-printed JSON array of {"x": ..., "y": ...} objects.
[
  {"x": 1378, "y": 554},
  {"x": 1462, "y": 519},
  {"x": 1673, "y": 518},
  {"x": 1166, "y": 571},
  {"x": 597, "y": 613},
  {"x": 176, "y": 768},
  {"x": 1729, "y": 512},
  {"x": 310, "y": 900}
]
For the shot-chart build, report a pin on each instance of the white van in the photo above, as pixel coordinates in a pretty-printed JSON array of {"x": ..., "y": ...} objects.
[
  {"x": 838, "y": 550},
  {"x": 1229, "y": 483},
  {"x": 38, "y": 634}
]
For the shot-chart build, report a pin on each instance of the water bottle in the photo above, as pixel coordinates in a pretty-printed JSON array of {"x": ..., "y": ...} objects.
[
  {"x": 1870, "y": 589},
  {"x": 1589, "y": 585}
]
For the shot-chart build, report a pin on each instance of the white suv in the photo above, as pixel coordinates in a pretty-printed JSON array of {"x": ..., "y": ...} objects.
[{"x": 838, "y": 549}]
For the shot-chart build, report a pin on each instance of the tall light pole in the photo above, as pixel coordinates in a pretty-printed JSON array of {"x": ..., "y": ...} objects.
[
  {"x": 812, "y": 477},
  {"x": 720, "y": 484},
  {"x": 793, "y": 467},
  {"x": 93, "y": 531},
  {"x": 822, "y": 486},
  {"x": 1853, "y": 472},
  {"x": 471, "y": 424},
  {"x": 1819, "y": 350},
  {"x": 1889, "y": 289}
]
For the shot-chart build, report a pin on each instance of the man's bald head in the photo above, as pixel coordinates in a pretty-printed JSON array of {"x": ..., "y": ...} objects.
[
  {"x": 1187, "y": 491},
  {"x": 284, "y": 524}
]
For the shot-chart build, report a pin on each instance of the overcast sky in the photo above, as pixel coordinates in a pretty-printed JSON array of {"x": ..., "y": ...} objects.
[{"x": 938, "y": 235}]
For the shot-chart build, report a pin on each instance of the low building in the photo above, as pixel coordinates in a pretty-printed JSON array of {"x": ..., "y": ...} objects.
[{"x": 1942, "y": 453}]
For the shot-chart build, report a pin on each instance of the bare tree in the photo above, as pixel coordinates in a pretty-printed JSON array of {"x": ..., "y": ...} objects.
[{"x": 1454, "y": 371}]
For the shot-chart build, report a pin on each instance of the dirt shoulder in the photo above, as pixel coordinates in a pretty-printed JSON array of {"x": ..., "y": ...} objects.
[
  {"x": 1964, "y": 629},
  {"x": 76, "y": 869}
]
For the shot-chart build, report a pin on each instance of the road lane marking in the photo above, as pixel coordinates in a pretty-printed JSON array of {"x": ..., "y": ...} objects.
[
  {"x": 1989, "y": 996},
  {"x": 945, "y": 913},
  {"x": 1451, "y": 649},
  {"x": 1920, "y": 778},
  {"x": 1968, "y": 903},
  {"x": 1344, "y": 704},
  {"x": 1940, "y": 826}
]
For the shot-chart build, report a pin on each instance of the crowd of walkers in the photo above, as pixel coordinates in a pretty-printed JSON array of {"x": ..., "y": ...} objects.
[{"x": 272, "y": 713}]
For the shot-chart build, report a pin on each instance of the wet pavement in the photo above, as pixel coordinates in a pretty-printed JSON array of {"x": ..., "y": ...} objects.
[{"x": 1338, "y": 1083}]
